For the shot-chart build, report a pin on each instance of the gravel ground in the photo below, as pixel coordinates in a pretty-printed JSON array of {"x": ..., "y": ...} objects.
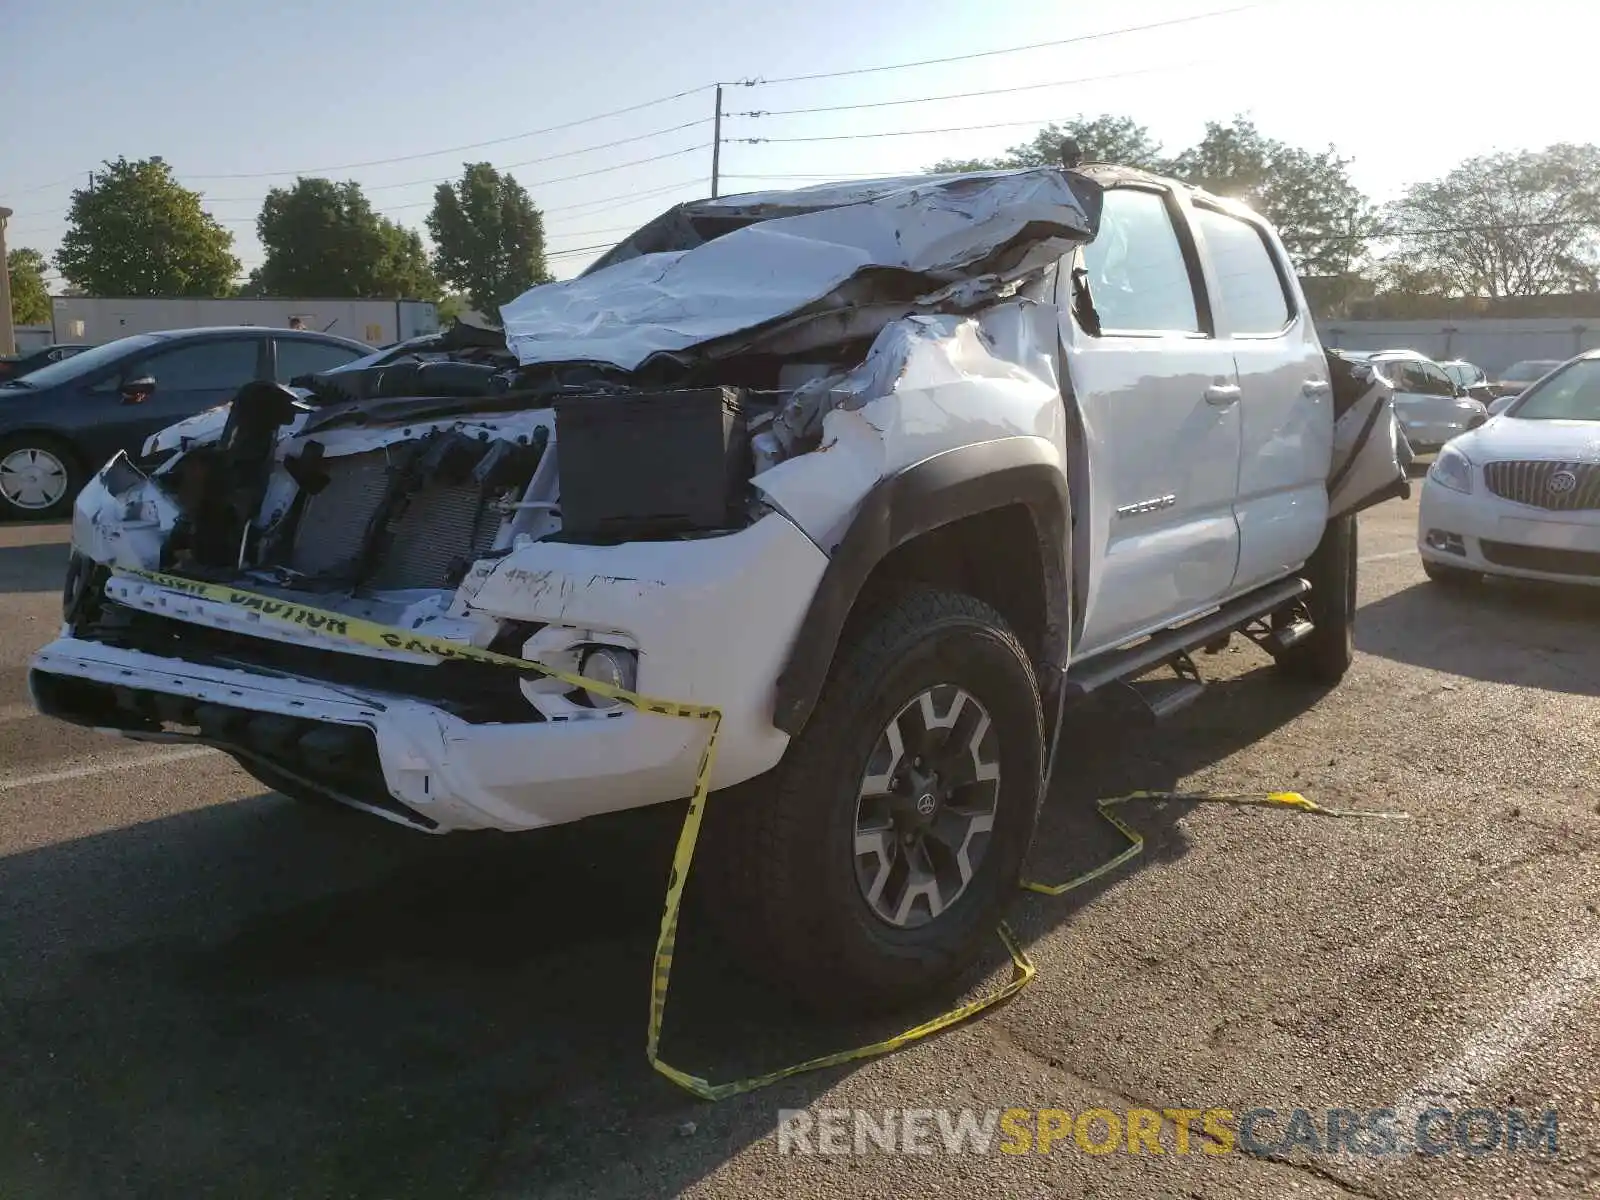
[{"x": 208, "y": 990}]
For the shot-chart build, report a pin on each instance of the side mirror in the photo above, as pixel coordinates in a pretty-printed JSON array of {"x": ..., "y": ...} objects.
[
  {"x": 1499, "y": 406},
  {"x": 137, "y": 391}
]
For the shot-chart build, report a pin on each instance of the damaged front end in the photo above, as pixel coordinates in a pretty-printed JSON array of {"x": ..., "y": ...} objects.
[{"x": 638, "y": 483}]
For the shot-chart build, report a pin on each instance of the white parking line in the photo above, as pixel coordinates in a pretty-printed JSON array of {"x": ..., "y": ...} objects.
[
  {"x": 102, "y": 768},
  {"x": 1496, "y": 1046},
  {"x": 1390, "y": 554}
]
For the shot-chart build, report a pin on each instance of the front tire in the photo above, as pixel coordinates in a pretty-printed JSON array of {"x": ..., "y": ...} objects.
[
  {"x": 1326, "y": 654},
  {"x": 40, "y": 477},
  {"x": 873, "y": 864}
]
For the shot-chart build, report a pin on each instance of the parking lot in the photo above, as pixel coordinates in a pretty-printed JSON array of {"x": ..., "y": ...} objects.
[{"x": 207, "y": 990}]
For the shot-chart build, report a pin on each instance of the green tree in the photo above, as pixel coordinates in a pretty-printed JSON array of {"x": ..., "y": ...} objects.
[
  {"x": 1106, "y": 138},
  {"x": 136, "y": 232},
  {"x": 323, "y": 239},
  {"x": 1502, "y": 225},
  {"x": 30, "y": 299},
  {"x": 1325, "y": 221},
  {"x": 488, "y": 237}
]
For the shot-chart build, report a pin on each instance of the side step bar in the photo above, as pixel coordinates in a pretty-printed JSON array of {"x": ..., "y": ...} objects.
[{"x": 1135, "y": 660}]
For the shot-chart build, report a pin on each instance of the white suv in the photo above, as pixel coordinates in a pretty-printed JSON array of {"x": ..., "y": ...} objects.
[{"x": 888, "y": 472}]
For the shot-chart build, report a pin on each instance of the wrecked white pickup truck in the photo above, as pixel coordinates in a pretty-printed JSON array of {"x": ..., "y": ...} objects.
[{"x": 889, "y": 472}]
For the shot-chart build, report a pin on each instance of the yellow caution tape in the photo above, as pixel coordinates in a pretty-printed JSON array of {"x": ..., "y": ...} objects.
[
  {"x": 1290, "y": 800},
  {"x": 336, "y": 625}
]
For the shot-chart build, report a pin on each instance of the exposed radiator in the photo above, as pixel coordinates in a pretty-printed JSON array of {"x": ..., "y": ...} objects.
[{"x": 441, "y": 524}]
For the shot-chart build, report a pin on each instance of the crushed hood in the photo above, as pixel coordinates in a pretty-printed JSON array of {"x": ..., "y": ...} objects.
[{"x": 720, "y": 271}]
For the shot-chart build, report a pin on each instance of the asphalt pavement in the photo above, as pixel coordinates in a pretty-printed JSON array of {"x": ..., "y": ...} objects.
[{"x": 207, "y": 989}]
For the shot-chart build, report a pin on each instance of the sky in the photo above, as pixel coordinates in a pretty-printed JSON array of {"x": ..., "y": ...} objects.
[{"x": 265, "y": 89}]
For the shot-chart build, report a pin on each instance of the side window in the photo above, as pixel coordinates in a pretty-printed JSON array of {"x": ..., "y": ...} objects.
[
  {"x": 1434, "y": 381},
  {"x": 1251, "y": 290},
  {"x": 1138, "y": 277},
  {"x": 204, "y": 366},
  {"x": 297, "y": 357}
]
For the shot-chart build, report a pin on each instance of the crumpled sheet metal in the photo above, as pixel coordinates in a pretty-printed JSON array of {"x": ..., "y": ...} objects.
[
  {"x": 1371, "y": 456},
  {"x": 944, "y": 229},
  {"x": 929, "y": 384}
]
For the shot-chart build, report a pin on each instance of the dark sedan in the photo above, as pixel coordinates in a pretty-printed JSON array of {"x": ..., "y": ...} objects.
[
  {"x": 22, "y": 364},
  {"x": 60, "y": 423}
]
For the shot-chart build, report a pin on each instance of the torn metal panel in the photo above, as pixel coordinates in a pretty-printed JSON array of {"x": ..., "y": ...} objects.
[
  {"x": 929, "y": 384},
  {"x": 1370, "y": 451},
  {"x": 812, "y": 251},
  {"x": 123, "y": 518}
]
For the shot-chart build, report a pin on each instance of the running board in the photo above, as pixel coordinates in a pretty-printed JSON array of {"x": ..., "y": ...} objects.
[{"x": 1135, "y": 660}]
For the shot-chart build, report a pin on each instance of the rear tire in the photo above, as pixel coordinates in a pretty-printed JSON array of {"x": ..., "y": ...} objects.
[
  {"x": 818, "y": 872},
  {"x": 1327, "y": 653},
  {"x": 1456, "y": 577}
]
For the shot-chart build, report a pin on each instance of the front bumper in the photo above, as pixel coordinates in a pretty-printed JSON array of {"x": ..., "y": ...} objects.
[
  {"x": 429, "y": 769},
  {"x": 1486, "y": 534},
  {"x": 713, "y": 618}
]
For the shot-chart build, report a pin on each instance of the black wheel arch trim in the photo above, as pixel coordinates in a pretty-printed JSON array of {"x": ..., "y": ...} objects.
[{"x": 937, "y": 491}]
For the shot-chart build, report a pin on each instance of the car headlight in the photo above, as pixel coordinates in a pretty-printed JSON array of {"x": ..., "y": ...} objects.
[
  {"x": 1452, "y": 469},
  {"x": 612, "y": 666}
]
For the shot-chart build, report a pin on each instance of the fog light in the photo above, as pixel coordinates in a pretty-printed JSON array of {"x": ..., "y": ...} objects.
[
  {"x": 1449, "y": 543},
  {"x": 611, "y": 666}
]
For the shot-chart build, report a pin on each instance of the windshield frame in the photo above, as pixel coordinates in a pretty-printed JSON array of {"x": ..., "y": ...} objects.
[
  {"x": 1532, "y": 393},
  {"x": 85, "y": 362}
]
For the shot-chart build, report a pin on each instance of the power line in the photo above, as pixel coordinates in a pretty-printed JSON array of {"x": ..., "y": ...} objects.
[
  {"x": 381, "y": 187},
  {"x": 579, "y": 250},
  {"x": 1026, "y": 87},
  {"x": 622, "y": 200},
  {"x": 850, "y": 137},
  {"x": 1071, "y": 41},
  {"x": 580, "y": 175},
  {"x": 378, "y": 162}
]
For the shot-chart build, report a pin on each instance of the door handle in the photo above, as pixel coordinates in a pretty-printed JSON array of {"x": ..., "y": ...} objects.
[
  {"x": 1222, "y": 394},
  {"x": 1316, "y": 387}
]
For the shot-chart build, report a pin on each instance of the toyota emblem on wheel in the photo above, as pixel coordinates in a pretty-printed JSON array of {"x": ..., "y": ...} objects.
[{"x": 1562, "y": 482}]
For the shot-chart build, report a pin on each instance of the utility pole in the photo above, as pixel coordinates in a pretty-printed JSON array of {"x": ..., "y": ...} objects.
[
  {"x": 8, "y": 335},
  {"x": 716, "y": 145}
]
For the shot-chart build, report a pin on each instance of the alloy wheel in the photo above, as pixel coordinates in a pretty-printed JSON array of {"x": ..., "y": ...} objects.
[{"x": 926, "y": 806}]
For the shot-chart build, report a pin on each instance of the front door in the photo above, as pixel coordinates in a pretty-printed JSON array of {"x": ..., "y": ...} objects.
[
  {"x": 1159, "y": 398},
  {"x": 188, "y": 379}
]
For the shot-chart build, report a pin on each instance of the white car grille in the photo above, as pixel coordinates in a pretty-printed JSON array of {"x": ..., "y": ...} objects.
[{"x": 1557, "y": 486}]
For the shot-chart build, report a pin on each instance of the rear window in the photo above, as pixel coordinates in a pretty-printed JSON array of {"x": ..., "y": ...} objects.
[{"x": 1248, "y": 283}]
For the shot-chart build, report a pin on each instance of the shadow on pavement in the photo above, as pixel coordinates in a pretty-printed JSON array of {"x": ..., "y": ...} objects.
[
  {"x": 1502, "y": 631},
  {"x": 34, "y": 568},
  {"x": 261, "y": 999}
]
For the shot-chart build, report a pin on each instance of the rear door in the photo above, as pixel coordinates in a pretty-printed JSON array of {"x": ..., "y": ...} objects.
[
  {"x": 190, "y": 378},
  {"x": 1159, "y": 399},
  {"x": 1286, "y": 402}
]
